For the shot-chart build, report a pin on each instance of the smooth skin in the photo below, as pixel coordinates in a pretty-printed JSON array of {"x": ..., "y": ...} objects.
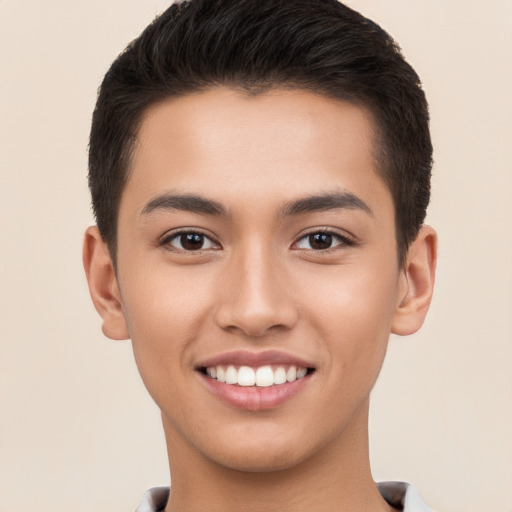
[{"x": 256, "y": 273}]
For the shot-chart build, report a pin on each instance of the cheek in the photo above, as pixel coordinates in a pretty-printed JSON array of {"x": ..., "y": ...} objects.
[
  {"x": 353, "y": 310},
  {"x": 164, "y": 313},
  {"x": 162, "y": 303}
]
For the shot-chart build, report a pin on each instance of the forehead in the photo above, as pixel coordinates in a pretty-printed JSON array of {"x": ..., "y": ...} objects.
[{"x": 226, "y": 144}]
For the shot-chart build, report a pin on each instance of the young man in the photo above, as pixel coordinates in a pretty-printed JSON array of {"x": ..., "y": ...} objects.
[{"x": 260, "y": 173}]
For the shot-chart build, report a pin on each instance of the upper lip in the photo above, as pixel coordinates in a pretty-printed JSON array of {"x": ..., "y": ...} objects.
[{"x": 254, "y": 359}]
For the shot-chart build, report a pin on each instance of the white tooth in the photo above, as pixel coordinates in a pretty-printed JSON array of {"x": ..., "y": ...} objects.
[
  {"x": 301, "y": 372},
  {"x": 280, "y": 375},
  {"x": 213, "y": 372},
  {"x": 246, "y": 376},
  {"x": 221, "y": 374},
  {"x": 231, "y": 375},
  {"x": 291, "y": 374},
  {"x": 264, "y": 376}
]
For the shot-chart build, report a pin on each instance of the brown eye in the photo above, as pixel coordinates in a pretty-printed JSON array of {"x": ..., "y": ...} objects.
[
  {"x": 322, "y": 241},
  {"x": 319, "y": 241},
  {"x": 192, "y": 241},
  {"x": 189, "y": 241}
]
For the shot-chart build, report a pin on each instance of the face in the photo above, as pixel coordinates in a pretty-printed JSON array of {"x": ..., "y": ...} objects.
[{"x": 257, "y": 272}]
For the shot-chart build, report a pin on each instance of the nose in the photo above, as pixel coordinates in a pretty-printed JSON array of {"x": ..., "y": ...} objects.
[{"x": 256, "y": 296}]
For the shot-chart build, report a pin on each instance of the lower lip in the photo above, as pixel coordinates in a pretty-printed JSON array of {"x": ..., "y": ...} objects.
[{"x": 253, "y": 398}]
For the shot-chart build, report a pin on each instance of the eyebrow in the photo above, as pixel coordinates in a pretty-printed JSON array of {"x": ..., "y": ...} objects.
[
  {"x": 316, "y": 203},
  {"x": 324, "y": 202},
  {"x": 184, "y": 202}
]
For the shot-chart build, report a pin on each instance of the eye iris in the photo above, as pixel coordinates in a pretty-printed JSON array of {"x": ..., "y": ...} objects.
[
  {"x": 320, "y": 240},
  {"x": 192, "y": 241}
]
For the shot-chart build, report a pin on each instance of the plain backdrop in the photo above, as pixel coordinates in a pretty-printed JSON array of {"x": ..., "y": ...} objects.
[{"x": 78, "y": 430}]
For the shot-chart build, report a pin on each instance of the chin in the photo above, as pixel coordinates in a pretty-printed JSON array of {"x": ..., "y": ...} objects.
[
  {"x": 264, "y": 461},
  {"x": 261, "y": 454}
]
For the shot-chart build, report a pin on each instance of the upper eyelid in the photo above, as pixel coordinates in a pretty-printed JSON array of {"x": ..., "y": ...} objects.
[
  {"x": 182, "y": 231},
  {"x": 328, "y": 230}
]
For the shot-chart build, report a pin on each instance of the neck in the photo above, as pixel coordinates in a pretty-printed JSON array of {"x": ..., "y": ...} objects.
[{"x": 337, "y": 477}]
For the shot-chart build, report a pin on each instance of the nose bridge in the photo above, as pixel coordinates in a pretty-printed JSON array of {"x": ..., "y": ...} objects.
[{"x": 255, "y": 298}]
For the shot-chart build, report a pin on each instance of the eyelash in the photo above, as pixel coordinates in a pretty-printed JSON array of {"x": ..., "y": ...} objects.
[{"x": 344, "y": 241}]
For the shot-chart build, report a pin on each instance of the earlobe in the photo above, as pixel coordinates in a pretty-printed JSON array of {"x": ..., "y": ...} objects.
[
  {"x": 417, "y": 283},
  {"x": 103, "y": 286}
]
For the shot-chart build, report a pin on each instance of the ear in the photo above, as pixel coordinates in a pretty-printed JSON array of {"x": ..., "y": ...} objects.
[
  {"x": 103, "y": 286},
  {"x": 416, "y": 283}
]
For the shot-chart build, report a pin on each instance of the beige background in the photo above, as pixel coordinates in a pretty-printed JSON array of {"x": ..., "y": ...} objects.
[{"x": 77, "y": 430}]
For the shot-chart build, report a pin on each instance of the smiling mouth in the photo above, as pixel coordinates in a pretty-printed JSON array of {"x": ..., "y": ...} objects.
[{"x": 262, "y": 376}]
